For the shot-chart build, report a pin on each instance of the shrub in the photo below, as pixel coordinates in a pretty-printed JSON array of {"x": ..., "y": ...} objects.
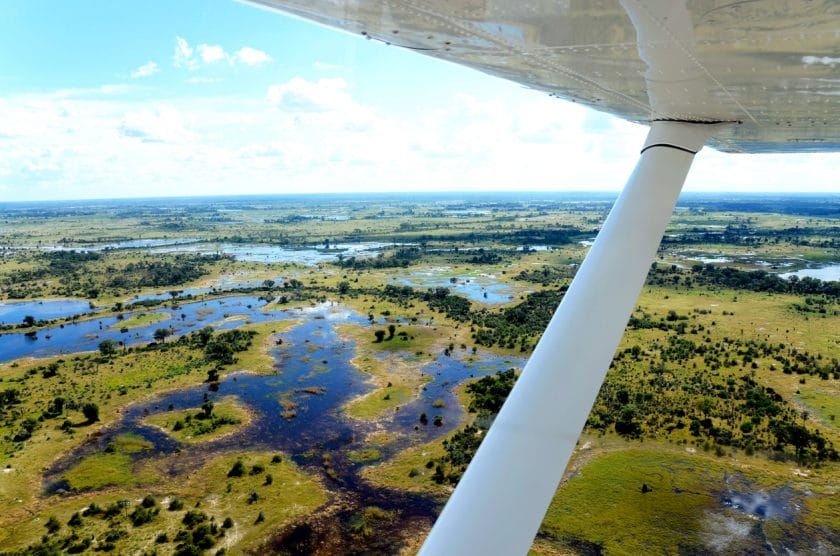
[{"x": 237, "y": 470}]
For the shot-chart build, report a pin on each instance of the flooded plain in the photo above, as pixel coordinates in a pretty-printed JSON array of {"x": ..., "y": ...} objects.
[
  {"x": 257, "y": 253},
  {"x": 222, "y": 314},
  {"x": 13, "y": 312},
  {"x": 313, "y": 373},
  {"x": 483, "y": 288}
]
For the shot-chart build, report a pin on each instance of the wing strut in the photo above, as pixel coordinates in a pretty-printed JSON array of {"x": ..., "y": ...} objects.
[{"x": 502, "y": 498}]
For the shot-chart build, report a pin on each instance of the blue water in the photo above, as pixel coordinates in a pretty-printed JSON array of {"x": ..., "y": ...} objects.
[
  {"x": 222, "y": 284},
  {"x": 743, "y": 496},
  {"x": 830, "y": 273},
  {"x": 277, "y": 254},
  {"x": 164, "y": 296},
  {"x": 182, "y": 319},
  {"x": 447, "y": 372},
  {"x": 313, "y": 355},
  {"x": 14, "y": 312},
  {"x": 483, "y": 288}
]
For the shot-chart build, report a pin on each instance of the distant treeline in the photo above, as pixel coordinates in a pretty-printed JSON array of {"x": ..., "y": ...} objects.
[
  {"x": 87, "y": 274},
  {"x": 742, "y": 234},
  {"x": 401, "y": 258},
  {"x": 752, "y": 280},
  {"x": 505, "y": 234},
  {"x": 805, "y": 205}
]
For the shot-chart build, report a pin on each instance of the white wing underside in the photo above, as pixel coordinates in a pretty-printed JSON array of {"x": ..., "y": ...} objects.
[{"x": 771, "y": 65}]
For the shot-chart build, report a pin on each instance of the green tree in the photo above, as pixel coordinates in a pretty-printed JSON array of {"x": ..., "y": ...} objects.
[
  {"x": 237, "y": 470},
  {"x": 108, "y": 347},
  {"x": 380, "y": 335},
  {"x": 161, "y": 334},
  {"x": 204, "y": 335},
  {"x": 91, "y": 412}
]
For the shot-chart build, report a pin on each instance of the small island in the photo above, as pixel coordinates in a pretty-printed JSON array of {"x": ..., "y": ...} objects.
[
  {"x": 211, "y": 421},
  {"x": 139, "y": 321}
]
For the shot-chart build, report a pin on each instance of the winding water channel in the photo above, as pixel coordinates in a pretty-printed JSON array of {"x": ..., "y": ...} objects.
[
  {"x": 313, "y": 357},
  {"x": 221, "y": 313}
]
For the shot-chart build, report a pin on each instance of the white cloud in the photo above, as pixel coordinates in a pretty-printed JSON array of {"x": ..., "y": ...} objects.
[
  {"x": 315, "y": 136},
  {"x": 251, "y": 56},
  {"x": 147, "y": 69},
  {"x": 183, "y": 57},
  {"x": 159, "y": 125},
  {"x": 205, "y": 55},
  {"x": 300, "y": 95},
  {"x": 211, "y": 53}
]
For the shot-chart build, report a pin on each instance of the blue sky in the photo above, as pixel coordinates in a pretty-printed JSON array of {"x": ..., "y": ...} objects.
[{"x": 200, "y": 97}]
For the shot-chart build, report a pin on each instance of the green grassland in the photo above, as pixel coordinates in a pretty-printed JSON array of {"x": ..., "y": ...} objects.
[
  {"x": 102, "y": 277},
  {"x": 109, "y": 382},
  {"x": 194, "y": 425},
  {"x": 678, "y": 506},
  {"x": 397, "y": 379},
  {"x": 140, "y": 320},
  {"x": 409, "y": 469},
  {"x": 111, "y": 467},
  {"x": 210, "y": 495}
]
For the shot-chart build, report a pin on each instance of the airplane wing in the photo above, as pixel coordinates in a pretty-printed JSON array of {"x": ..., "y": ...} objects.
[
  {"x": 745, "y": 76},
  {"x": 772, "y": 65}
]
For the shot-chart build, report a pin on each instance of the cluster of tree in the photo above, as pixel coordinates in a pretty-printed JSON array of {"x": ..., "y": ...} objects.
[
  {"x": 487, "y": 396},
  {"x": 820, "y": 305},
  {"x": 651, "y": 396},
  {"x": 87, "y": 274},
  {"x": 28, "y": 282},
  {"x": 380, "y": 334},
  {"x": 400, "y": 294},
  {"x": 729, "y": 352},
  {"x": 546, "y": 276},
  {"x": 521, "y": 325},
  {"x": 197, "y": 534},
  {"x": 23, "y": 426},
  {"x": 8, "y": 398},
  {"x": 728, "y": 277},
  {"x": 204, "y": 421},
  {"x": 741, "y": 233},
  {"x": 60, "y": 262},
  {"x": 143, "y": 274},
  {"x": 484, "y": 256},
  {"x": 220, "y": 348},
  {"x": 454, "y": 306},
  {"x": 400, "y": 258},
  {"x": 29, "y": 321},
  {"x": 803, "y": 205}
]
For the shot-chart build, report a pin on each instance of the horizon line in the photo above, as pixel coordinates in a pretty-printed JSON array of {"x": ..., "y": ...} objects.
[{"x": 470, "y": 192}]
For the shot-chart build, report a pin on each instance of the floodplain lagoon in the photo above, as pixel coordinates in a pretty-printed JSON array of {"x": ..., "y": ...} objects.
[{"x": 313, "y": 375}]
